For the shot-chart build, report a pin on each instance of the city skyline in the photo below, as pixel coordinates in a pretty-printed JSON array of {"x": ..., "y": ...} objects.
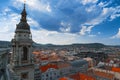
[{"x": 64, "y": 22}]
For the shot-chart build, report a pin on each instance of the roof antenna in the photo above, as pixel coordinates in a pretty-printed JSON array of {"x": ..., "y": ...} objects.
[{"x": 24, "y": 3}]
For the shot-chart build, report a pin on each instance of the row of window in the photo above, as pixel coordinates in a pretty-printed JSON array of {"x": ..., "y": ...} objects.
[
  {"x": 49, "y": 74},
  {"x": 51, "y": 78}
]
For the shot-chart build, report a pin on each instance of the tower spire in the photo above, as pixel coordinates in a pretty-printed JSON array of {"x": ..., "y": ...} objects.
[
  {"x": 23, "y": 25},
  {"x": 24, "y": 14},
  {"x": 24, "y": 4}
]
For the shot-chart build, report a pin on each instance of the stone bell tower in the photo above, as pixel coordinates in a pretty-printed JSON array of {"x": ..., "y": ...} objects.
[{"x": 21, "y": 58}]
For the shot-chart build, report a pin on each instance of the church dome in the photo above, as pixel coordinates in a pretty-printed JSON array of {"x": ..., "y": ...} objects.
[{"x": 23, "y": 25}]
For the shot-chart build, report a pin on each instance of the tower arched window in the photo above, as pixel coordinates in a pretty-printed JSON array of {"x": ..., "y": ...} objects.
[{"x": 25, "y": 53}]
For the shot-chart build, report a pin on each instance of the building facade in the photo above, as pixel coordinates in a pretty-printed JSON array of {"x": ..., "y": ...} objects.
[
  {"x": 49, "y": 72},
  {"x": 3, "y": 64}
]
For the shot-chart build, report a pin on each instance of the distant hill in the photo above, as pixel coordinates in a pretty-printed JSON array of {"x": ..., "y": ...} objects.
[
  {"x": 91, "y": 45},
  {"x": 4, "y": 44}
]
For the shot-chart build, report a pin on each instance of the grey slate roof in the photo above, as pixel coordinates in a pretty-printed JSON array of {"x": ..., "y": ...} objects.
[{"x": 78, "y": 63}]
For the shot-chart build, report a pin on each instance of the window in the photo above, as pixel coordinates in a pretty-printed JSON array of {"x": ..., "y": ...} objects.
[
  {"x": 47, "y": 75},
  {"x": 25, "y": 53},
  {"x": 50, "y": 78},
  {"x": 19, "y": 35},
  {"x": 54, "y": 73},
  {"x": 24, "y": 75}
]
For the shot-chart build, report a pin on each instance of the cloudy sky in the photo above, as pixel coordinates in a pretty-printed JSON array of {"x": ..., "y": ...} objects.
[{"x": 64, "y": 21}]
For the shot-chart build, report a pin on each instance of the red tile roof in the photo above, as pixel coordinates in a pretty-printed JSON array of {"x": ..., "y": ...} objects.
[
  {"x": 45, "y": 58},
  {"x": 46, "y": 67},
  {"x": 63, "y": 78},
  {"x": 80, "y": 76},
  {"x": 115, "y": 69},
  {"x": 104, "y": 74}
]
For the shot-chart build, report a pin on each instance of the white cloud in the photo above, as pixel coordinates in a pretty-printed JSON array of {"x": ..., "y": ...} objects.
[
  {"x": 106, "y": 12},
  {"x": 85, "y": 30},
  {"x": 8, "y": 24},
  {"x": 33, "y": 23},
  {"x": 90, "y": 9},
  {"x": 105, "y": 3},
  {"x": 117, "y": 35},
  {"x": 7, "y": 21},
  {"x": 115, "y": 14},
  {"x": 45, "y": 37},
  {"x": 91, "y": 35},
  {"x": 102, "y": 15},
  {"x": 48, "y": 8},
  {"x": 66, "y": 27},
  {"x": 101, "y": 4},
  {"x": 33, "y": 5},
  {"x": 38, "y": 5},
  {"x": 84, "y": 2}
]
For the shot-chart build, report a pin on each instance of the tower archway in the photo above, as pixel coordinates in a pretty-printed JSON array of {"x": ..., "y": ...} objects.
[{"x": 25, "y": 53}]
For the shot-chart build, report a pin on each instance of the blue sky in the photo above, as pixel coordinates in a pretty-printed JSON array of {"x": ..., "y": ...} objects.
[{"x": 64, "y": 21}]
